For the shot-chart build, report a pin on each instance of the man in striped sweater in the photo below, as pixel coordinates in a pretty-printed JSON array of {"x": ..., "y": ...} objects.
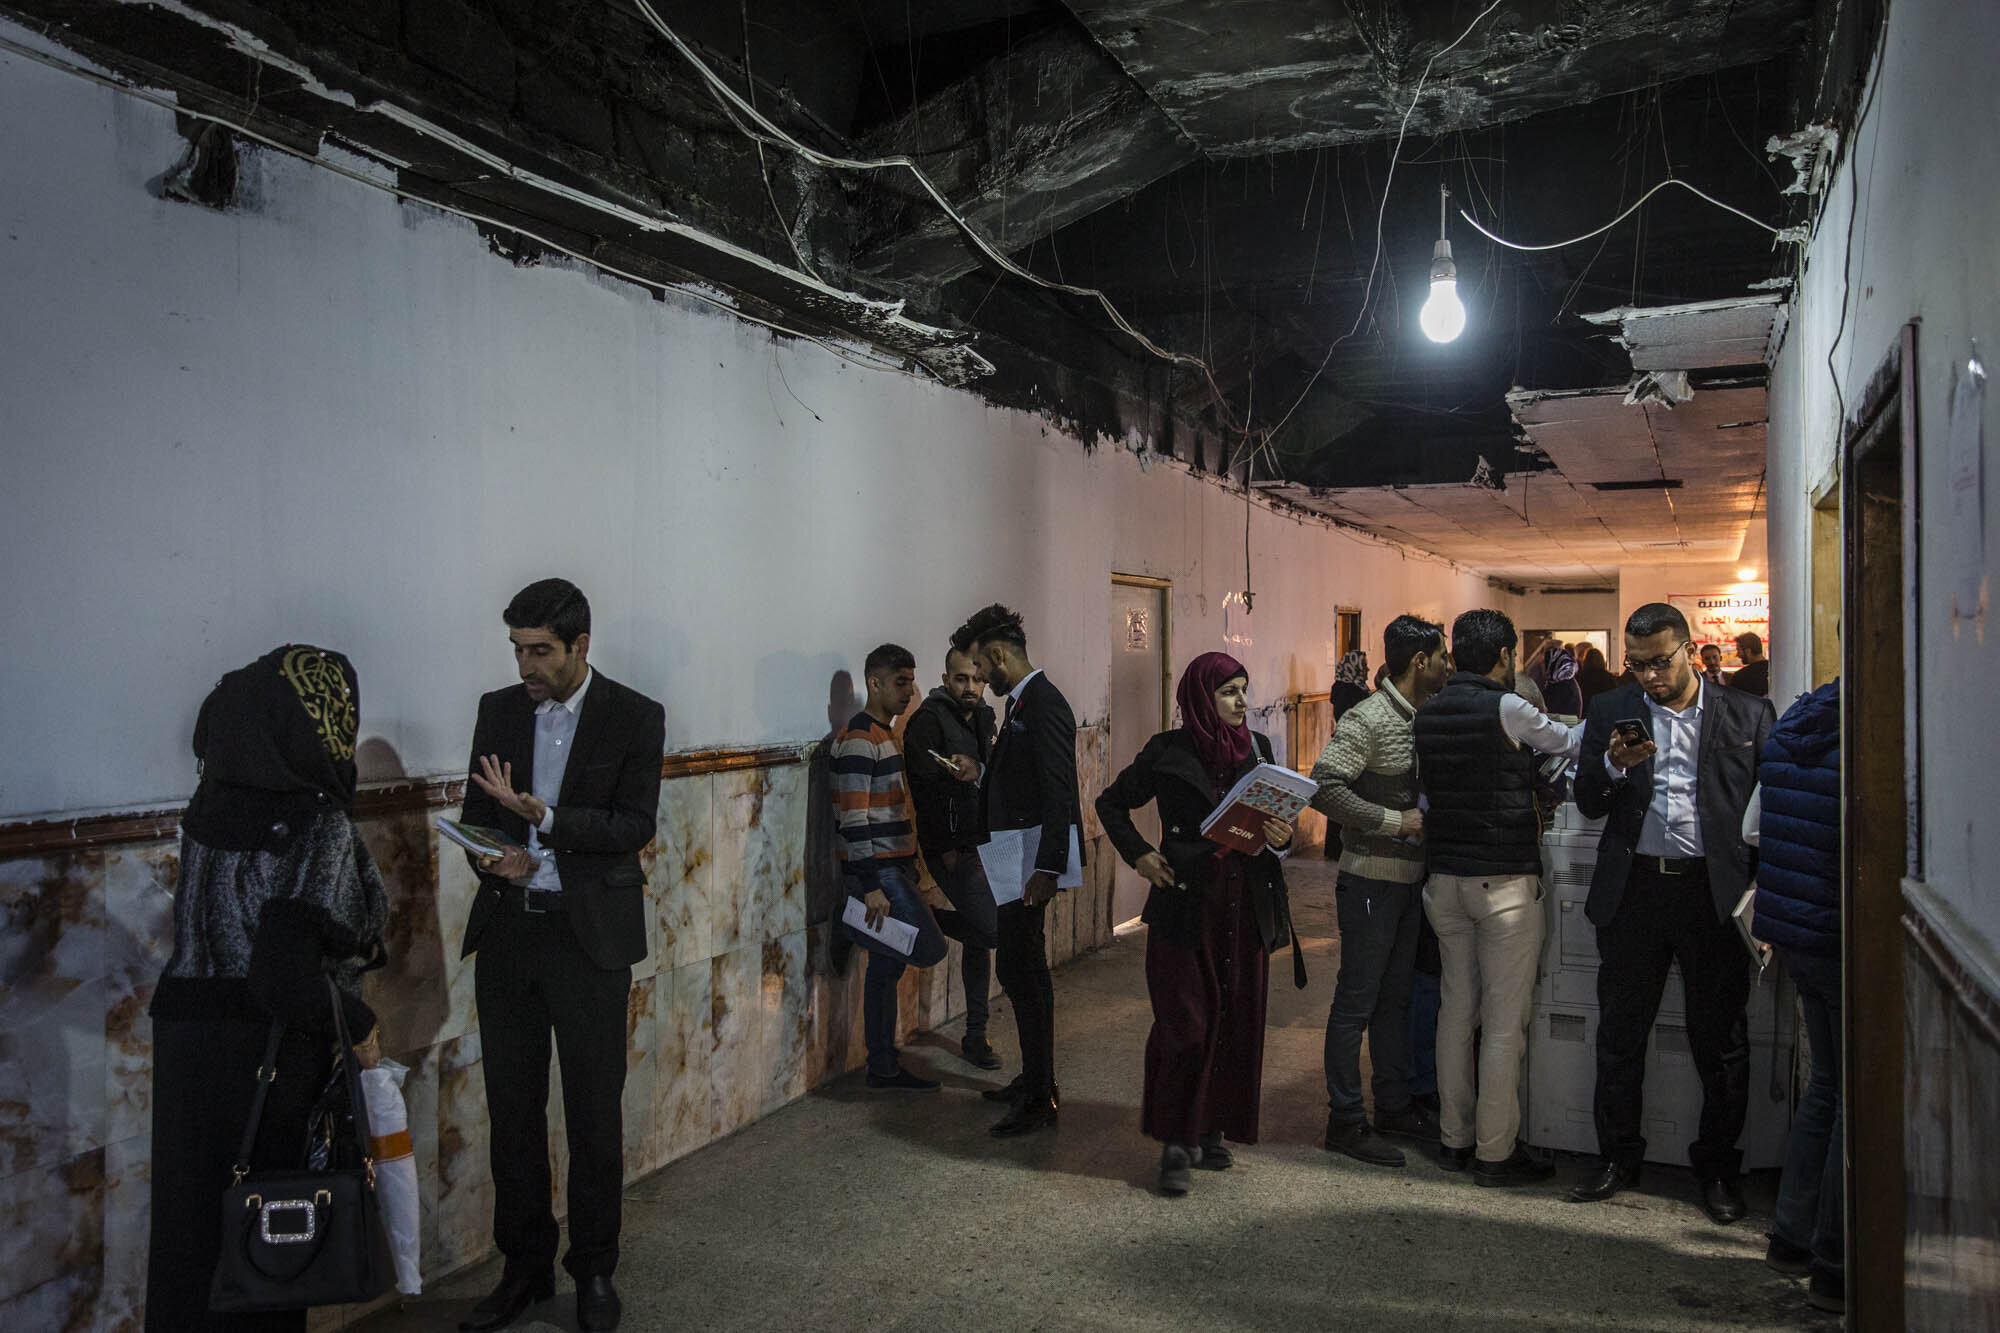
[
  {"x": 879, "y": 851},
  {"x": 1367, "y": 780}
]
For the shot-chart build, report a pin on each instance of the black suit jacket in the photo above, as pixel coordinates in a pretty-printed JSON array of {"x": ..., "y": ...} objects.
[
  {"x": 605, "y": 813},
  {"x": 1733, "y": 728},
  {"x": 1031, "y": 780}
]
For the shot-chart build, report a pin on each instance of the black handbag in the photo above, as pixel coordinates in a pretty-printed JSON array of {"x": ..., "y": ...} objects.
[{"x": 303, "y": 1237}]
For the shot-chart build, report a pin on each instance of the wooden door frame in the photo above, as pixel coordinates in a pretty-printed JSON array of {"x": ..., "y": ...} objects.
[
  {"x": 1166, "y": 588},
  {"x": 1880, "y": 834}
]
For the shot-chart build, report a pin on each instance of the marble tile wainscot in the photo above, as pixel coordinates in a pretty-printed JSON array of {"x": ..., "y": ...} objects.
[{"x": 738, "y": 1009}]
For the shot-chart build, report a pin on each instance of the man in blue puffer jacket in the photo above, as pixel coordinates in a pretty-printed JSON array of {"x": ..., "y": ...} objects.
[{"x": 1798, "y": 912}]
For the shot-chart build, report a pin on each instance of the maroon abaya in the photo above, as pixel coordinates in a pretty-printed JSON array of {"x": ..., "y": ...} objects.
[{"x": 1205, "y": 1055}]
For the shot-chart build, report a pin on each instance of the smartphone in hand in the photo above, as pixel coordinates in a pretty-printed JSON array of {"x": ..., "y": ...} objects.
[{"x": 1630, "y": 730}]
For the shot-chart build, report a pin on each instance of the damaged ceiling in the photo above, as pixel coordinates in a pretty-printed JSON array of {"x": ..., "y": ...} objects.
[{"x": 1251, "y": 185}]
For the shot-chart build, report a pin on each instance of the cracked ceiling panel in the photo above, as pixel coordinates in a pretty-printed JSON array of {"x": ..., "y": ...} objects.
[
  {"x": 1248, "y": 77},
  {"x": 1030, "y": 142}
]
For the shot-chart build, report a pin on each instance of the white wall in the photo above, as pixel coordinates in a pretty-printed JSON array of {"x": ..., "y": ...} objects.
[
  {"x": 1924, "y": 170},
  {"x": 332, "y": 417},
  {"x": 1569, "y": 610},
  {"x": 1640, "y": 584}
]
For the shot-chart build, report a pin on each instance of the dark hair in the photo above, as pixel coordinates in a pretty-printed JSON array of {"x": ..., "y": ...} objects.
[
  {"x": 889, "y": 657},
  {"x": 1749, "y": 642},
  {"x": 953, "y": 647},
  {"x": 1656, "y": 618},
  {"x": 1593, "y": 659},
  {"x": 1405, "y": 638},
  {"x": 556, "y": 605},
  {"x": 994, "y": 624},
  {"x": 1478, "y": 638}
]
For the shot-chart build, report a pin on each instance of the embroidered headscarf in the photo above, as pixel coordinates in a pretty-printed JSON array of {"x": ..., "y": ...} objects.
[
  {"x": 275, "y": 739},
  {"x": 1221, "y": 748},
  {"x": 1562, "y": 665},
  {"x": 1353, "y": 668}
]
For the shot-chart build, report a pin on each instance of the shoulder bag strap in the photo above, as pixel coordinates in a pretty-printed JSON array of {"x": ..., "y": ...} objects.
[
  {"x": 267, "y": 1073},
  {"x": 356, "y": 1099}
]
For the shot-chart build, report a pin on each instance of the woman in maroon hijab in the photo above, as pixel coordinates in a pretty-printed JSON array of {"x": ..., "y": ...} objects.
[{"x": 1213, "y": 918}]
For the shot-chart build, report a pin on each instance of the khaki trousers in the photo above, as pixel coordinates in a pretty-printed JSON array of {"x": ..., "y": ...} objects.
[{"x": 1490, "y": 941}]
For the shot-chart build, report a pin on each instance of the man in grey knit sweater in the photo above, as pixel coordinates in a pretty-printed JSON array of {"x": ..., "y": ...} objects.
[{"x": 1367, "y": 779}]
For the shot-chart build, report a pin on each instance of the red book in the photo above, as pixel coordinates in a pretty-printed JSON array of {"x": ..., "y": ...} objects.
[{"x": 1265, "y": 792}]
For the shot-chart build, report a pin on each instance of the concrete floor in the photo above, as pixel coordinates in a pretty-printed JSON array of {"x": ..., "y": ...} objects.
[{"x": 847, "y": 1210}]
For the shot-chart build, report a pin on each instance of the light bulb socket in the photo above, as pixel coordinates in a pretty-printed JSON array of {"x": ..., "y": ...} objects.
[{"x": 1442, "y": 269}]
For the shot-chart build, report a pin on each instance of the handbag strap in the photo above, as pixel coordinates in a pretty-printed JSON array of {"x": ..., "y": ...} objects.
[
  {"x": 357, "y": 1106},
  {"x": 267, "y": 1073}
]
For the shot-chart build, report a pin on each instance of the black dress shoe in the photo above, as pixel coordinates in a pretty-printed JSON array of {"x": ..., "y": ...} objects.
[
  {"x": 1412, "y": 1122},
  {"x": 1520, "y": 1168},
  {"x": 597, "y": 1304},
  {"x": 508, "y": 1302},
  {"x": 1603, "y": 1182},
  {"x": 1454, "y": 1159},
  {"x": 978, "y": 1052},
  {"x": 1007, "y": 1094},
  {"x": 1029, "y": 1114},
  {"x": 1363, "y": 1144},
  {"x": 1722, "y": 1200}
]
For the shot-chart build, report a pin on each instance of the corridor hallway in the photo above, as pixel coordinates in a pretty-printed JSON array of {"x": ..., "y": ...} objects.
[{"x": 847, "y": 1210}]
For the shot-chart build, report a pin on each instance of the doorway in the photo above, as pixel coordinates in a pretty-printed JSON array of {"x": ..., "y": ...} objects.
[
  {"x": 1881, "y": 809},
  {"x": 1140, "y": 658}
]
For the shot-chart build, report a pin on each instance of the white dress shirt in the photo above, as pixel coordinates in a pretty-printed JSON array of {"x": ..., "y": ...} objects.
[
  {"x": 1673, "y": 824},
  {"x": 1528, "y": 725},
  {"x": 555, "y": 729}
]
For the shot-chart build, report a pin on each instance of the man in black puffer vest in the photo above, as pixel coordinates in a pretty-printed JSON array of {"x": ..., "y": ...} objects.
[{"x": 1482, "y": 839}]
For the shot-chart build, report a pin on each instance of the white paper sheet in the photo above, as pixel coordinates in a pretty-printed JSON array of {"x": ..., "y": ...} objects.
[
  {"x": 898, "y": 935},
  {"x": 1009, "y": 859}
]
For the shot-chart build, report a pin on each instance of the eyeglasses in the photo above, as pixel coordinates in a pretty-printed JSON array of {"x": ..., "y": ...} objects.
[{"x": 1653, "y": 665}]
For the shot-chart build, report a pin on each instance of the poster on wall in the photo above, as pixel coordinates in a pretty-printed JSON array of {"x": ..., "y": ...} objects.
[{"x": 1718, "y": 617}]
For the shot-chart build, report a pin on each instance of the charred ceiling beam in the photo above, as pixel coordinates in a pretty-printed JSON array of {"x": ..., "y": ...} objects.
[
  {"x": 1250, "y": 77},
  {"x": 586, "y": 148},
  {"x": 1040, "y": 137}
]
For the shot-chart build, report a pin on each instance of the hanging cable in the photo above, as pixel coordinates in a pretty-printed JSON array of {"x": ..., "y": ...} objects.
[
  {"x": 514, "y": 228},
  {"x": 1793, "y": 234},
  {"x": 775, "y": 134},
  {"x": 1368, "y": 290}
]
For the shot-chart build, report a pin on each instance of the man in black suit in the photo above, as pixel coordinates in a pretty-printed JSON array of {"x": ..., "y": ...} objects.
[
  {"x": 1030, "y": 784},
  {"x": 1669, "y": 763},
  {"x": 567, "y": 764}
]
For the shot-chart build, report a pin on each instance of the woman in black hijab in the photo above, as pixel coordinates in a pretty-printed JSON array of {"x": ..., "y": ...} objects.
[{"x": 276, "y": 890}]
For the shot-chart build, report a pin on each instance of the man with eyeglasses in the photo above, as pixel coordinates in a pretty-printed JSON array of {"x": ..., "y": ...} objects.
[{"x": 1669, "y": 763}]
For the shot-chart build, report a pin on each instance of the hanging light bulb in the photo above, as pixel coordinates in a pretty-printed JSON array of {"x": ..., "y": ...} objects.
[{"x": 1443, "y": 315}]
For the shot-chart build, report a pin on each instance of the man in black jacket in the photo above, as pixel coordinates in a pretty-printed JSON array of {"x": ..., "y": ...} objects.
[
  {"x": 566, "y": 764},
  {"x": 1669, "y": 763},
  {"x": 1030, "y": 786},
  {"x": 955, "y": 723}
]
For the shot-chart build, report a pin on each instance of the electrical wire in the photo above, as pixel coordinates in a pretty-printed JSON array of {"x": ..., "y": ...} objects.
[
  {"x": 1781, "y": 233},
  {"x": 514, "y": 228},
  {"x": 776, "y": 135},
  {"x": 1367, "y": 292}
]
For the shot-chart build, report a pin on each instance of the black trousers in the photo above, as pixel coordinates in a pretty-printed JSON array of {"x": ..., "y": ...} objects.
[
  {"x": 1022, "y": 962},
  {"x": 1665, "y": 919},
  {"x": 533, "y": 980}
]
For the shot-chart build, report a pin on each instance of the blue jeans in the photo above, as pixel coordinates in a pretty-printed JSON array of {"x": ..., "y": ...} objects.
[
  {"x": 1424, "y": 992},
  {"x": 1378, "y": 957},
  {"x": 1809, "y": 1208},
  {"x": 885, "y": 966}
]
